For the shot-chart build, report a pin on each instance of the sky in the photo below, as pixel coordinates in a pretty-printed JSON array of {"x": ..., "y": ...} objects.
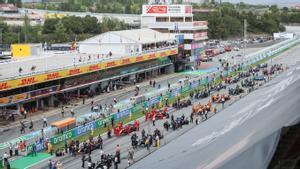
[{"x": 267, "y": 2}]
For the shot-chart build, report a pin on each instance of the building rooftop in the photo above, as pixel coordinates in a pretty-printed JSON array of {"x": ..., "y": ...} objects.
[
  {"x": 8, "y": 8},
  {"x": 136, "y": 36}
]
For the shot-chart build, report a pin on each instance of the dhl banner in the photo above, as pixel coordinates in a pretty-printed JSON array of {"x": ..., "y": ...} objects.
[
  {"x": 30, "y": 80},
  {"x": 26, "y": 96}
]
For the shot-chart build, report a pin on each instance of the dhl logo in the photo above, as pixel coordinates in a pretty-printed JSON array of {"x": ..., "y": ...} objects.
[
  {"x": 152, "y": 56},
  {"x": 111, "y": 64},
  {"x": 162, "y": 54},
  {"x": 93, "y": 67},
  {"x": 172, "y": 52},
  {"x": 126, "y": 61},
  {"x": 54, "y": 75},
  {"x": 4, "y": 85},
  {"x": 139, "y": 59},
  {"x": 28, "y": 81},
  {"x": 4, "y": 100},
  {"x": 74, "y": 71},
  {"x": 20, "y": 96}
]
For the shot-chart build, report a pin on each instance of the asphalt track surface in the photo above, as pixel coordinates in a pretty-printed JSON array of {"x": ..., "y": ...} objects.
[
  {"x": 224, "y": 140},
  {"x": 107, "y": 98},
  {"x": 183, "y": 143}
]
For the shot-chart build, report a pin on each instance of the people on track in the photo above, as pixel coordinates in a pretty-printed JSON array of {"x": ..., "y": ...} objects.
[{"x": 45, "y": 124}]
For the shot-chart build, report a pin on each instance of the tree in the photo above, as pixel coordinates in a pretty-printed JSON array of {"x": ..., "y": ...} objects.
[
  {"x": 49, "y": 25},
  {"x": 90, "y": 25},
  {"x": 73, "y": 24},
  {"x": 60, "y": 32}
]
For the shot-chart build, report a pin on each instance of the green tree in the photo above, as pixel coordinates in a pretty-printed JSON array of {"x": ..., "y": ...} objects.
[
  {"x": 49, "y": 25},
  {"x": 90, "y": 25},
  {"x": 60, "y": 32}
]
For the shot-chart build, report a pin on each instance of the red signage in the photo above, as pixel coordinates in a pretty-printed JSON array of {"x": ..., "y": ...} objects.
[
  {"x": 20, "y": 97},
  {"x": 151, "y": 56},
  {"x": 161, "y": 9},
  {"x": 27, "y": 81},
  {"x": 93, "y": 67},
  {"x": 111, "y": 64},
  {"x": 74, "y": 71},
  {"x": 199, "y": 35},
  {"x": 139, "y": 59},
  {"x": 200, "y": 23},
  {"x": 126, "y": 61},
  {"x": 52, "y": 76},
  {"x": 172, "y": 52},
  {"x": 188, "y": 9},
  {"x": 162, "y": 54},
  {"x": 4, "y": 86}
]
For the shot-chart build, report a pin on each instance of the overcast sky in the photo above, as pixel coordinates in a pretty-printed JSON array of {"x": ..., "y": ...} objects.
[{"x": 268, "y": 2}]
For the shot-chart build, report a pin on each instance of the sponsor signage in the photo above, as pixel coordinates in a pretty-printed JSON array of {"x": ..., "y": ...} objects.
[
  {"x": 200, "y": 23},
  {"x": 197, "y": 45},
  {"x": 199, "y": 35},
  {"x": 34, "y": 79},
  {"x": 52, "y": 76},
  {"x": 123, "y": 113},
  {"x": 40, "y": 146},
  {"x": 167, "y": 9},
  {"x": 63, "y": 137},
  {"x": 158, "y": 9},
  {"x": 25, "y": 96},
  {"x": 4, "y": 85},
  {"x": 41, "y": 92},
  {"x": 188, "y": 9},
  {"x": 84, "y": 129}
]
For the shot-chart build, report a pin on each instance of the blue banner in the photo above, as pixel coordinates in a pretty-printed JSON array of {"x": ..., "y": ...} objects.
[
  {"x": 123, "y": 113},
  {"x": 40, "y": 146},
  {"x": 84, "y": 128},
  {"x": 195, "y": 84}
]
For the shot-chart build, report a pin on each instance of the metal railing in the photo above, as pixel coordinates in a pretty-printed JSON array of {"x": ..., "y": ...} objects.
[{"x": 94, "y": 59}]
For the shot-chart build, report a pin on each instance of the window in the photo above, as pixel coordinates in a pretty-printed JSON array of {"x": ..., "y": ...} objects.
[
  {"x": 177, "y": 19},
  {"x": 162, "y": 19},
  {"x": 188, "y": 19}
]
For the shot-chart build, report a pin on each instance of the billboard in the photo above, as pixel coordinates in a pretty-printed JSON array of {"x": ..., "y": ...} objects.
[
  {"x": 20, "y": 51},
  {"x": 167, "y": 9},
  {"x": 200, "y": 23},
  {"x": 156, "y": 9}
]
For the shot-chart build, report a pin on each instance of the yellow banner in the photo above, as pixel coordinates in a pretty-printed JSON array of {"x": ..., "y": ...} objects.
[{"x": 30, "y": 80}]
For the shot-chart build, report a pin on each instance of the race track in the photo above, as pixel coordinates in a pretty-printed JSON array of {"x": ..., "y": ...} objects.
[{"x": 244, "y": 135}]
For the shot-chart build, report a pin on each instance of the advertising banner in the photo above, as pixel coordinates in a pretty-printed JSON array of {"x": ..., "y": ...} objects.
[
  {"x": 167, "y": 9},
  {"x": 40, "y": 146},
  {"x": 62, "y": 137},
  {"x": 156, "y": 9},
  {"x": 200, "y": 23},
  {"x": 30, "y": 80},
  {"x": 99, "y": 123},
  {"x": 123, "y": 113},
  {"x": 25, "y": 96},
  {"x": 84, "y": 128}
]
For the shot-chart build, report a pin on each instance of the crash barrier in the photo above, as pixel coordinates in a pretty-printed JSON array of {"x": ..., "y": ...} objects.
[
  {"x": 154, "y": 98},
  {"x": 270, "y": 51}
]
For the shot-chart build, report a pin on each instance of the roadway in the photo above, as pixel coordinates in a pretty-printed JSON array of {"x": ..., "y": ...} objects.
[
  {"x": 243, "y": 135},
  {"x": 109, "y": 145},
  {"x": 102, "y": 99}
]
